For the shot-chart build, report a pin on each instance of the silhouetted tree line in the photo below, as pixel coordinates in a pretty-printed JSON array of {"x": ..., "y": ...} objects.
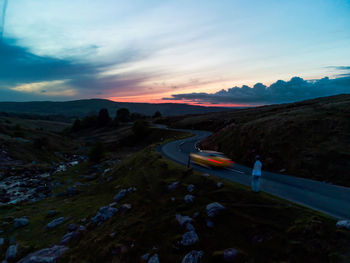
[{"x": 103, "y": 119}]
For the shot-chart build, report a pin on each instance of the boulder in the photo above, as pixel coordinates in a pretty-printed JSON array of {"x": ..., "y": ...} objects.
[
  {"x": 193, "y": 257},
  {"x": 72, "y": 227},
  {"x": 145, "y": 257},
  {"x": 154, "y": 259},
  {"x": 2, "y": 241},
  {"x": 189, "y": 199},
  {"x": 11, "y": 252},
  {"x": 125, "y": 207},
  {"x": 183, "y": 220},
  {"x": 46, "y": 255},
  {"x": 219, "y": 184},
  {"x": 189, "y": 238},
  {"x": 173, "y": 186},
  {"x": 105, "y": 213},
  {"x": 190, "y": 227},
  {"x": 343, "y": 224},
  {"x": 190, "y": 188},
  {"x": 213, "y": 209},
  {"x": 55, "y": 222},
  {"x": 120, "y": 195},
  {"x": 20, "y": 222},
  {"x": 231, "y": 255}
]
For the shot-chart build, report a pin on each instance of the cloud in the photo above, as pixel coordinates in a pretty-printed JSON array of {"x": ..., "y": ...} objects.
[
  {"x": 24, "y": 74},
  {"x": 281, "y": 91}
]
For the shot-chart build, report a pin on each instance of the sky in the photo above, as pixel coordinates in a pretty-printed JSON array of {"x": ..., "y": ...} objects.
[{"x": 227, "y": 52}]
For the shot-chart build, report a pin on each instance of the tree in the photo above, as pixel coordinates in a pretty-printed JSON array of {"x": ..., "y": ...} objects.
[
  {"x": 103, "y": 118},
  {"x": 140, "y": 128},
  {"x": 97, "y": 152},
  {"x": 123, "y": 115},
  {"x": 76, "y": 125},
  {"x": 157, "y": 114}
]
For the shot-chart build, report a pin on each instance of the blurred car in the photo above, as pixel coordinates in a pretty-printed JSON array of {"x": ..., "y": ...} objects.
[{"x": 211, "y": 159}]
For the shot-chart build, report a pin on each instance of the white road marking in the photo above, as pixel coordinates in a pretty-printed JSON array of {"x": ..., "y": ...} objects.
[{"x": 237, "y": 171}]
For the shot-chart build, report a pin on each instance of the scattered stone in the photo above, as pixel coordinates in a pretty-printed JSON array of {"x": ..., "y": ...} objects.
[
  {"x": 219, "y": 184},
  {"x": 72, "y": 191},
  {"x": 209, "y": 223},
  {"x": 183, "y": 220},
  {"x": 11, "y": 252},
  {"x": 190, "y": 227},
  {"x": 230, "y": 255},
  {"x": 173, "y": 186},
  {"x": 125, "y": 207},
  {"x": 51, "y": 213},
  {"x": 145, "y": 257},
  {"x": 206, "y": 175},
  {"x": 196, "y": 214},
  {"x": 257, "y": 239},
  {"x": 343, "y": 224},
  {"x": 172, "y": 199},
  {"x": 132, "y": 189},
  {"x": 120, "y": 195},
  {"x": 189, "y": 199},
  {"x": 72, "y": 227},
  {"x": 55, "y": 222},
  {"x": 74, "y": 235},
  {"x": 214, "y": 209},
  {"x": 189, "y": 238},
  {"x": 190, "y": 188},
  {"x": 193, "y": 257},
  {"x": 105, "y": 213},
  {"x": 20, "y": 222},
  {"x": 46, "y": 255},
  {"x": 2, "y": 241},
  {"x": 154, "y": 259}
]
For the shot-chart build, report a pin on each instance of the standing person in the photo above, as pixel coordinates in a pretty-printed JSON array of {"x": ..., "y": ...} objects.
[{"x": 256, "y": 174}]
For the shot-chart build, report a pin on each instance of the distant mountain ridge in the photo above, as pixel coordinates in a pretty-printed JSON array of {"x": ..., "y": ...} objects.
[{"x": 80, "y": 108}]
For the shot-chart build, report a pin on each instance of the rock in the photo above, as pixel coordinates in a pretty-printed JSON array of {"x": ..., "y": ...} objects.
[
  {"x": 2, "y": 241},
  {"x": 74, "y": 235},
  {"x": 125, "y": 207},
  {"x": 189, "y": 238},
  {"x": 183, "y": 220},
  {"x": 55, "y": 222},
  {"x": 193, "y": 257},
  {"x": 120, "y": 195},
  {"x": 11, "y": 252},
  {"x": 190, "y": 188},
  {"x": 189, "y": 199},
  {"x": 51, "y": 213},
  {"x": 172, "y": 199},
  {"x": 209, "y": 223},
  {"x": 132, "y": 189},
  {"x": 343, "y": 224},
  {"x": 46, "y": 255},
  {"x": 104, "y": 214},
  {"x": 72, "y": 191},
  {"x": 219, "y": 184},
  {"x": 173, "y": 186},
  {"x": 145, "y": 257},
  {"x": 214, "y": 209},
  {"x": 231, "y": 255},
  {"x": 206, "y": 175},
  {"x": 190, "y": 227},
  {"x": 154, "y": 259},
  {"x": 72, "y": 227},
  {"x": 20, "y": 222}
]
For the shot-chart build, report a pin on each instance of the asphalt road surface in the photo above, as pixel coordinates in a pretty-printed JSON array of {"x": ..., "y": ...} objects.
[{"x": 330, "y": 199}]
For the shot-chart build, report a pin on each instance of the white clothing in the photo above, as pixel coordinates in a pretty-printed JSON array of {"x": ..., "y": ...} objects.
[{"x": 257, "y": 168}]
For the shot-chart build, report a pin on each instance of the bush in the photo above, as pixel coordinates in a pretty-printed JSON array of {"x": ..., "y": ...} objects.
[
  {"x": 140, "y": 128},
  {"x": 103, "y": 118},
  {"x": 97, "y": 152},
  {"x": 41, "y": 143},
  {"x": 123, "y": 115}
]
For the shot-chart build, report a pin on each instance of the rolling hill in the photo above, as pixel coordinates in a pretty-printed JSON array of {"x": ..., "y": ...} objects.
[{"x": 81, "y": 108}]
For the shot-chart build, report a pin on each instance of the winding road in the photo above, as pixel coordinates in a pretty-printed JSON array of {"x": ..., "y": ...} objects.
[{"x": 332, "y": 200}]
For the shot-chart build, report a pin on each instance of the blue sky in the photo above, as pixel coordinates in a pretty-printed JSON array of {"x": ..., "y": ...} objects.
[{"x": 149, "y": 50}]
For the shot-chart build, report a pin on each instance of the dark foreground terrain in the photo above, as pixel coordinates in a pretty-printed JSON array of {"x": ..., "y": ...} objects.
[
  {"x": 132, "y": 205},
  {"x": 309, "y": 139}
]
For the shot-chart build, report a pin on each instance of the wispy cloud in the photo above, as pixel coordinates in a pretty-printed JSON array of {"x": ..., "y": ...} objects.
[{"x": 281, "y": 91}]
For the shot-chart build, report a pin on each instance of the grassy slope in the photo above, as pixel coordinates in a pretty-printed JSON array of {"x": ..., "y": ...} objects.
[
  {"x": 309, "y": 139},
  {"x": 291, "y": 233}
]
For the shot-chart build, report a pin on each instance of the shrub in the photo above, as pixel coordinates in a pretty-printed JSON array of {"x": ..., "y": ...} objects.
[
  {"x": 140, "y": 128},
  {"x": 97, "y": 152}
]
